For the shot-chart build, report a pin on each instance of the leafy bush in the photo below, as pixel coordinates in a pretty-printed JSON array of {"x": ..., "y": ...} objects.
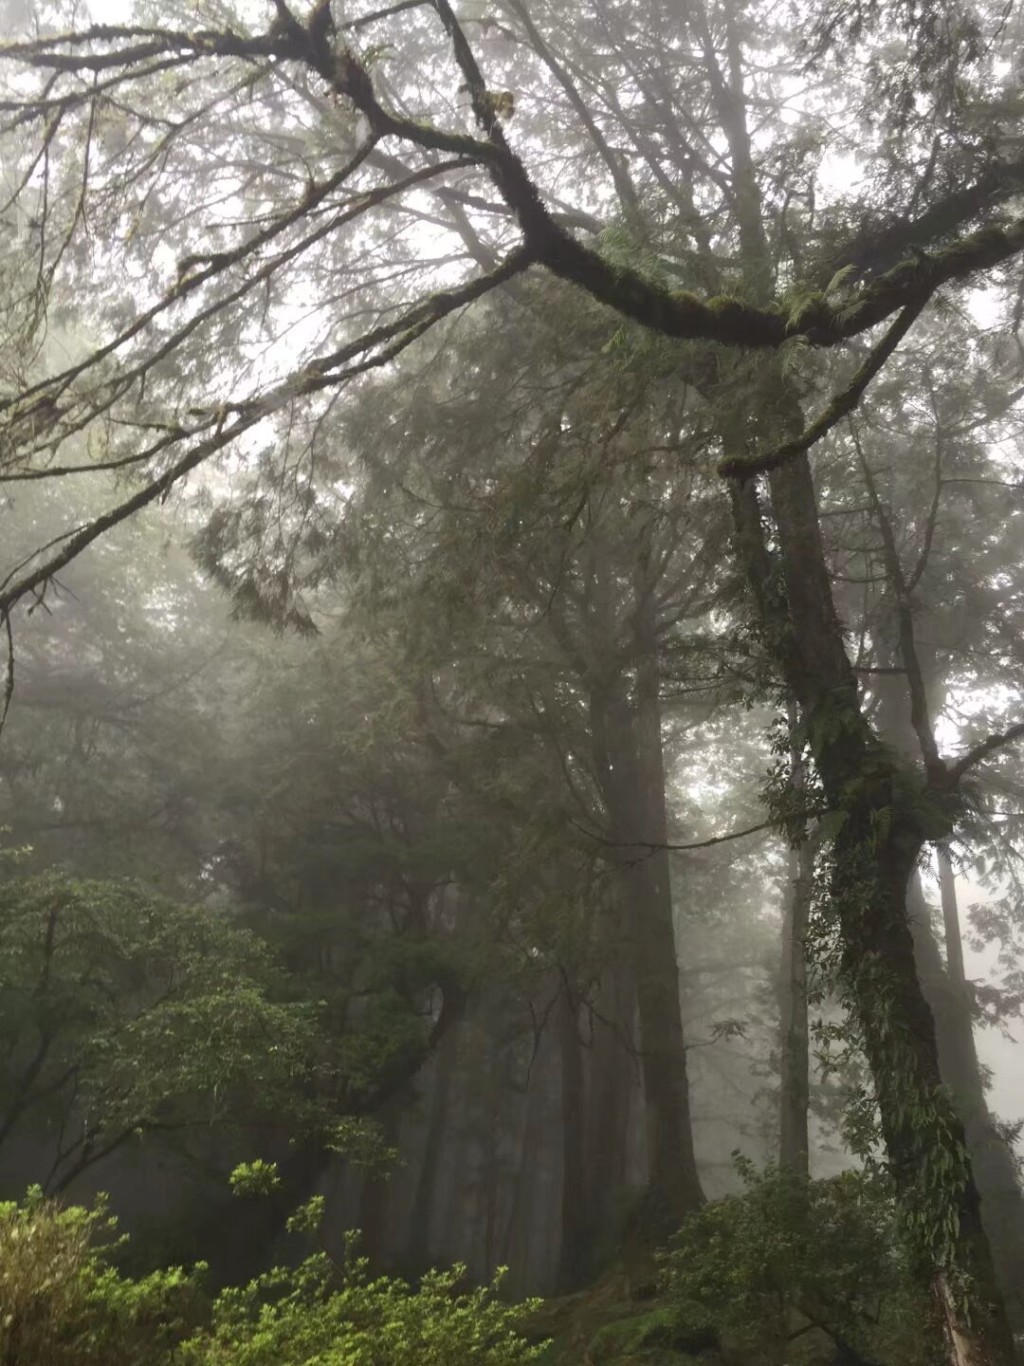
[
  {"x": 318, "y": 1314},
  {"x": 62, "y": 1304},
  {"x": 794, "y": 1269}
]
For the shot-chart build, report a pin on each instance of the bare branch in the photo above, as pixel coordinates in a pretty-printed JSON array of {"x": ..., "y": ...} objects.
[
  {"x": 980, "y": 752},
  {"x": 365, "y": 19},
  {"x": 651, "y": 847}
]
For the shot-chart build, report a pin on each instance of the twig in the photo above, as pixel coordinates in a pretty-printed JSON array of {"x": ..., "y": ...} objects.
[{"x": 653, "y": 847}]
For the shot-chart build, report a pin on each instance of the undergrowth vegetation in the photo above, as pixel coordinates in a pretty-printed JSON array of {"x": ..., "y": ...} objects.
[
  {"x": 64, "y": 1303},
  {"x": 786, "y": 1272}
]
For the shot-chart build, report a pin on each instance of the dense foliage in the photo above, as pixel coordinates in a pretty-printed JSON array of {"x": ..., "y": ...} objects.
[
  {"x": 62, "y": 1303},
  {"x": 791, "y": 1267},
  {"x": 124, "y": 1013}
]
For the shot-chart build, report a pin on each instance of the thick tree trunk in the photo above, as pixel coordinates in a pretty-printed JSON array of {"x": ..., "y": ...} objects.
[
  {"x": 531, "y": 1226},
  {"x": 629, "y": 762},
  {"x": 611, "y": 1075},
  {"x": 888, "y": 813},
  {"x": 1002, "y": 1205},
  {"x": 945, "y": 989},
  {"x": 636, "y": 793},
  {"x": 635, "y": 786},
  {"x": 375, "y": 1198}
]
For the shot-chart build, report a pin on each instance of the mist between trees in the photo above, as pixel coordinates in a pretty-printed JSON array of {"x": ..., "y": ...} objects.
[{"x": 513, "y": 588}]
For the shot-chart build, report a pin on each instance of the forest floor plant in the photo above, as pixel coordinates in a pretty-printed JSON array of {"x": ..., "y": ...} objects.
[{"x": 64, "y": 1303}]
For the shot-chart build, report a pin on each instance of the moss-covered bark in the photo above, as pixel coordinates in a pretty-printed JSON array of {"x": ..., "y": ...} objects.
[{"x": 887, "y": 813}]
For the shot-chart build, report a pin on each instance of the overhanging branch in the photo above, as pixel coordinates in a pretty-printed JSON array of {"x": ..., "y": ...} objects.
[{"x": 730, "y": 321}]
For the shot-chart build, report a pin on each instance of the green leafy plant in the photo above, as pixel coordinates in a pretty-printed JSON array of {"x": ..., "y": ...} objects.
[
  {"x": 122, "y": 1012},
  {"x": 63, "y": 1304},
  {"x": 794, "y": 1268},
  {"x": 336, "y": 1314},
  {"x": 331, "y": 1316}
]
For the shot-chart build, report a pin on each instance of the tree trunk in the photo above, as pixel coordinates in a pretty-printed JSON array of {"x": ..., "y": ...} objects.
[
  {"x": 945, "y": 987},
  {"x": 951, "y": 920},
  {"x": 1002, "y": 1206},
  {"x": 794, "y": 1089},
  {"x": 611, "y": 1079},
  {"x": 629, "y": 763},
  {"x": 526, "y": 1213},
  {"x": 672, "y": 1166},
  {"x": 422, "y": 1216},
  {"x": 888, "y": 813},
  {"x": 375, "y": 1196},
  {"x": 575, "y": 1232}
]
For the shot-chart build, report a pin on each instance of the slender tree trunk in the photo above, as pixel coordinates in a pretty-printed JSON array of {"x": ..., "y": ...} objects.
[
  {"x": 575, "y": 1231},
  {"x": 794, "y": 1089},
  {"x": 794, "y": 1052},
  {"x": 951, "y": 919}
]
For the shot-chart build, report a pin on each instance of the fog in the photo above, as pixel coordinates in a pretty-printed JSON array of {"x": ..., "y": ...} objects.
[{"x": 511, "y": 683}]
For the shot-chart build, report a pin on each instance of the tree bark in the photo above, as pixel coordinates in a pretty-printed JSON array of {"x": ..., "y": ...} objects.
[
  {"x": 611, "y": 1075},
  {"x": 888, "y": 813},
  {"x": 794, "y": 1088},
  {"x": 573, "y": 1266},
  {"x": 629, "y": 764},
  {"x": 1002, "y": 1205},
  {"x": 636, "y": 803},
  {"x": 375, "y": 1198},
  {"x": 421, "y": 1245},
  {"x": 945, "y": 987}
]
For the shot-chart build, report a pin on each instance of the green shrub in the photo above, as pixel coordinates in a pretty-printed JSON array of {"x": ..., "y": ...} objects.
[
  {"x": 803, "y": 1270},
  {"x": 318, "y": 1315},
  {"x": 62, "y": 1304}
]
